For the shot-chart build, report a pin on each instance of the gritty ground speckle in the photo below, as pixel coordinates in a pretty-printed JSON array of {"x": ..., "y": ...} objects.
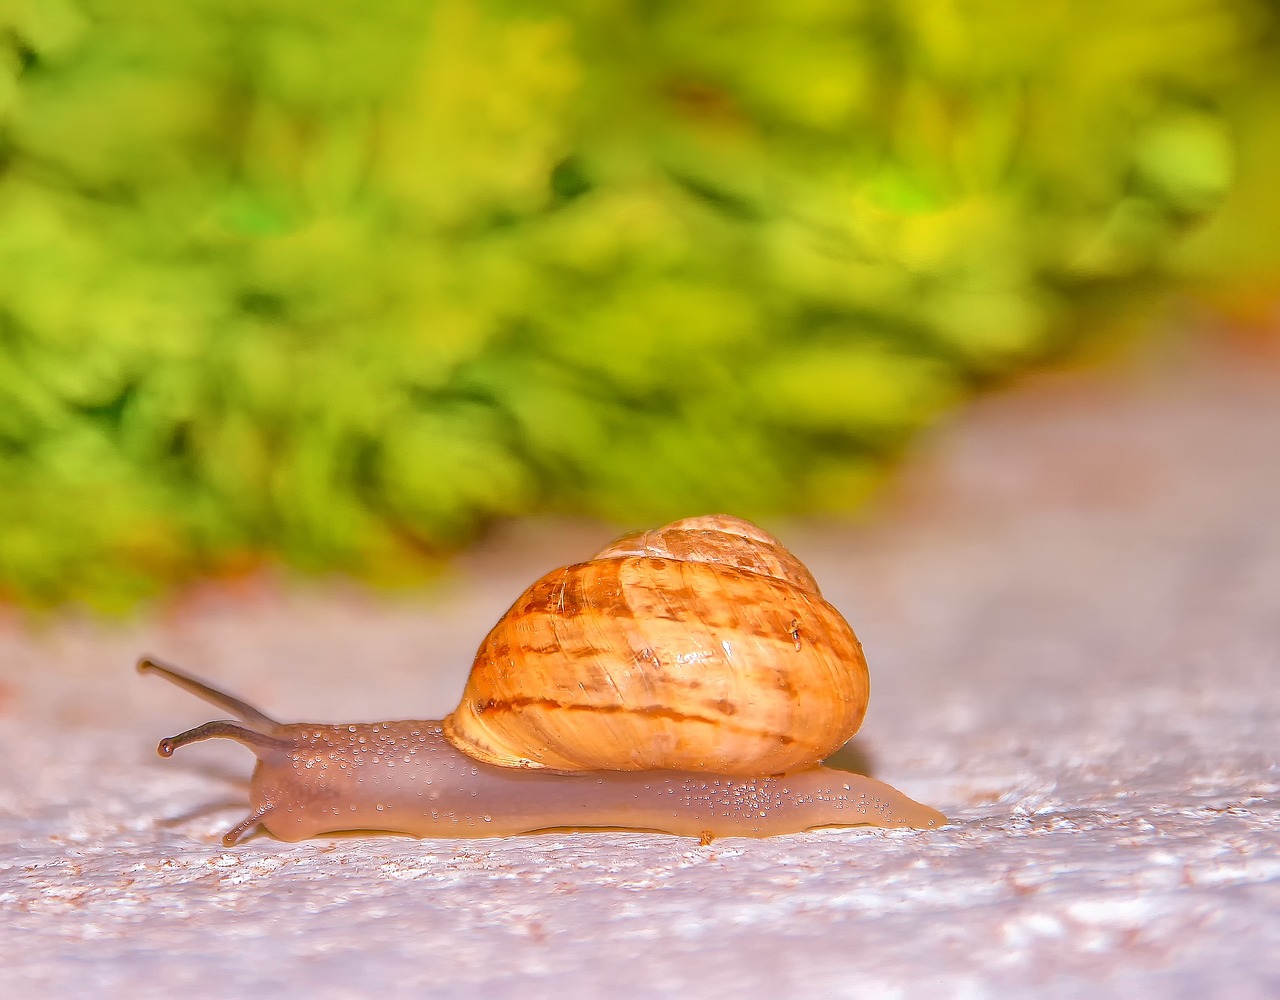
[{"x": 1072, "y": 615}]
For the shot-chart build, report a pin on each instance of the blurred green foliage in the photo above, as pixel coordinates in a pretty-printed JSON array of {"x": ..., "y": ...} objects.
[{"x": 337, "y": 283}]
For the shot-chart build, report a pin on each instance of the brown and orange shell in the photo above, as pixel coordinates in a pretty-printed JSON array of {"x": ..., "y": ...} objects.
[{"x": 701, "y": 646}]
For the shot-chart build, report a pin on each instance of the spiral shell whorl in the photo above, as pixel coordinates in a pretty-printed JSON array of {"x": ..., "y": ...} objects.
[
  {"x": 717, "y": 538},
  {"x": 701, "y": 646}
]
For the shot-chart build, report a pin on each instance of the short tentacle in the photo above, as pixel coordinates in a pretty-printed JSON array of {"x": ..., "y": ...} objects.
[{"x": 232, "y": 836}]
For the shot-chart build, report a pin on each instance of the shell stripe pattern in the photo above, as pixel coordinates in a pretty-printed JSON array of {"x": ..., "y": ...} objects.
[{"x": 641, "y": 662}]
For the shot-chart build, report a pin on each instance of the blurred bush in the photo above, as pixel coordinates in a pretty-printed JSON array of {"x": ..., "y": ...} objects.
[{"x": 337, "y": 283}]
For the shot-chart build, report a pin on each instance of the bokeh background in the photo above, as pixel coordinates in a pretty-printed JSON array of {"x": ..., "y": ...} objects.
[{"x": 334, "y": 286}]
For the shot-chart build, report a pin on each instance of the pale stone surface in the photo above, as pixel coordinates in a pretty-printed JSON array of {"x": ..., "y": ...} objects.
[{"x": 1072, "y": 615}]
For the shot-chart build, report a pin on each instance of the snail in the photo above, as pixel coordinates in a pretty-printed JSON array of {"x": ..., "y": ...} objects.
[{"x": 686, "y": 680}]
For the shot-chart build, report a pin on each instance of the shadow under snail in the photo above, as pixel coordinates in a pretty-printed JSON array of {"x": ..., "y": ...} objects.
[{"x": 686, "y": 680}]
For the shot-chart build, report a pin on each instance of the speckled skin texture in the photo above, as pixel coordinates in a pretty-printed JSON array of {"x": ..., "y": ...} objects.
[
  {"x": 405, "y": 777},
  {"x": 1070, "y": 617}
]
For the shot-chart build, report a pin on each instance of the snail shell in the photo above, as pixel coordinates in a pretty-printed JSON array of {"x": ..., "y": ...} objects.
[{"x": 703, "y": 645}]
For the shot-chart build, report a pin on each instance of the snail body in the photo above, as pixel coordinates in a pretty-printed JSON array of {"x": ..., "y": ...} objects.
[{"x": 687, "y": 680}]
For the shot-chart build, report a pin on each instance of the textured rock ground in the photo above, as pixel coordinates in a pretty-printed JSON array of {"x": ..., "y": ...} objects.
[{"x": 1072, "y": 612}]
